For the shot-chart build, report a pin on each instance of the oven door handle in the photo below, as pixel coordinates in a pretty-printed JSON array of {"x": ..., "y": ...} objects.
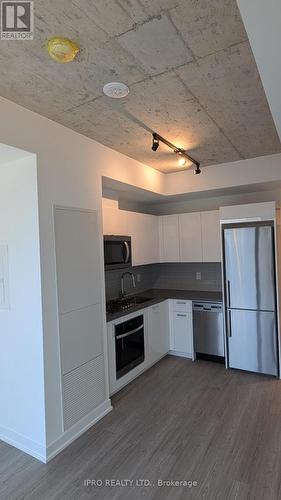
[{"x": 129, "y": 333}]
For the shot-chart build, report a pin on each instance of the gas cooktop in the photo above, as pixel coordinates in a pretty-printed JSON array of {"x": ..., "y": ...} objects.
[
  {"x": 124, "y": 304},
  {"x": 116, "y": 305}
]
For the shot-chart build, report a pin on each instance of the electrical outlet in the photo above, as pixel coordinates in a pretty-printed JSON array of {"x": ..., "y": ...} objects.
[
  {"x": 198, "y": 276},
  {"x": 138, "y": 278}
]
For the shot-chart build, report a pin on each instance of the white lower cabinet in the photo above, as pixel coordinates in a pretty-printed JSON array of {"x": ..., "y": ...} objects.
[
  {"x": 167, "y": 328},
  {"x": 182, "y": 328},
  {"x": 158, "y": 331},
  {"x": 183, "y": 333}
]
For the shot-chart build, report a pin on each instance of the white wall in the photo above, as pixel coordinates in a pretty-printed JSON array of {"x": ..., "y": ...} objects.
[
  {"x": 21, "y": 334},
  {"x": 70, "y": 169},
  {"x": 239, "y": 173}
]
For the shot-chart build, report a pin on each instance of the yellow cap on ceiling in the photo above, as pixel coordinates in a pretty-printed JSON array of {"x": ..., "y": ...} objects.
[{"x": 62, "y": 50}]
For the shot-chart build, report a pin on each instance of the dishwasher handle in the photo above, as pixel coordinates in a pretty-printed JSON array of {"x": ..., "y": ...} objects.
[{"x": 207, "y": 307}]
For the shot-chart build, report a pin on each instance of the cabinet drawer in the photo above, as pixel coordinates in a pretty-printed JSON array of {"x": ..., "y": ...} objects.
[{"x": 182, "y": 306}]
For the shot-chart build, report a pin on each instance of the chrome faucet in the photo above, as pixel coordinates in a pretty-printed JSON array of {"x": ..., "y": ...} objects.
[{"x": 123, "y": 292}]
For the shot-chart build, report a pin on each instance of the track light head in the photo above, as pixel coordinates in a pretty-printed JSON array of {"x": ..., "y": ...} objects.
[
  {"x": 183, "y": 154},
  {"x": 155, "y": 142},
  {"x": 182, "y": 162}
]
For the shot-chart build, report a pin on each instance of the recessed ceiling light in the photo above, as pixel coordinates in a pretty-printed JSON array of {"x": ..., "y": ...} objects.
[{"x": 116, "y": 90}]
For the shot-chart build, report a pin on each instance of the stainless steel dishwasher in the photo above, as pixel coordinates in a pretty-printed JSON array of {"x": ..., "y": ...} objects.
[{"x": 208, "y": 330}]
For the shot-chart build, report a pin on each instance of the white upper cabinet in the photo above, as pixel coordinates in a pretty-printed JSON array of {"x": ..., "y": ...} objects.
[
  {"x": 211, "y": 236},
  {"x": 190, "y": 237},
  {"x": 169, "y": 238},
  {"x": 115, "y": 222},
  {"x": 143, "y": 229}
]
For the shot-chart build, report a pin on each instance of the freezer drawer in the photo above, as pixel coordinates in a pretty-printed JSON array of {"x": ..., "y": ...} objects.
[
  {"x": 252, "y": 341},
  {"x": 208, "y": 328}
]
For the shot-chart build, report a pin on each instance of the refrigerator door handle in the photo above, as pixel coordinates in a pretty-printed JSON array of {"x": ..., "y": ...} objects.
[
  {"x": 229, "y": 331},
  {"x": 227, "y": 288}
]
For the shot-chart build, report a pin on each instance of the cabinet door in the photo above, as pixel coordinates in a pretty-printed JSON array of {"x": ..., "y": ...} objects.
[
  {"x": 115, "y": 221},
  {"x": 190, "y": 237},
  {"x": 183, "y": 333},
  {"x": 211, "y": 236},
  {"x": 169, "y": 238},
  {"x": 79, "y": 286},
  {"x": 158, "y": 331},
  {"x": 143, "y": 229}
]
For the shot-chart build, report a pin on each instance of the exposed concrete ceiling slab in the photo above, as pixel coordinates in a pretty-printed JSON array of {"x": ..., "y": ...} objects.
[
  {"x": 156, "y": 7},
  {"x": 192, "y": 78},
  {"x": 208, "y": 26},
  {"x": 264, "y": 17},
  {"x": 156, "y": 45},
  {"x": 228, "y": 86},
  {"x": 150, "y": 104}
]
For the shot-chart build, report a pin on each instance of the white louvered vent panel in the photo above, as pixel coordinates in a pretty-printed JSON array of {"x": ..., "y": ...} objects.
[{"x": 83, "y": 390}]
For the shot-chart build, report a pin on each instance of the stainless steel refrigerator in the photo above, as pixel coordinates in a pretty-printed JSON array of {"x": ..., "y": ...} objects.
[{"x": 250, "y": 297}]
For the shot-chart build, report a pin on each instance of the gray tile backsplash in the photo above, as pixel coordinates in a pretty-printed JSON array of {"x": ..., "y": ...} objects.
[
  {"x": 113, "y": 280},
  {"x": 174, "y": 276},
  {"x": 183, "y": 276}
]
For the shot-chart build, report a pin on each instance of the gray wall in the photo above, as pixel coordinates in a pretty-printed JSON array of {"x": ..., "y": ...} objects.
[{"x": 174, "y": 276}]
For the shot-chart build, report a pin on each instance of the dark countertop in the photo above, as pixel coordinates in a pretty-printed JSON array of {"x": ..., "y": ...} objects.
[{"x": 159, "y": 295}]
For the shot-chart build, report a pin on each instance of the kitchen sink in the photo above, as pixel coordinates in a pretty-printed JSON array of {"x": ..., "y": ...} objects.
[{"x": 139, "y": 300}]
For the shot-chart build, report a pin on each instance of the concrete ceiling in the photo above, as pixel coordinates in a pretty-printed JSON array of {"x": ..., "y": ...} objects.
[{"x": 189, "y": 65}]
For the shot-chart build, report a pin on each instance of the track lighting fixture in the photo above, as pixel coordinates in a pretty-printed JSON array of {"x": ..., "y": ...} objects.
[
  {"x": 155, "y": 142},
  {"x": 156, "y": 139}
]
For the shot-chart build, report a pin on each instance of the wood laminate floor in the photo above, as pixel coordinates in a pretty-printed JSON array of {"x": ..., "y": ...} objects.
[{"x": 178, "y": 421}]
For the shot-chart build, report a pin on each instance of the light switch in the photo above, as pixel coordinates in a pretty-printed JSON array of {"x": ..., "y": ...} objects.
[{"x": 198, "y": 276}]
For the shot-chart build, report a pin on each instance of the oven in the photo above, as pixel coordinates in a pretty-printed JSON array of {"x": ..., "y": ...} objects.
[
  {"x": 129, "y": 345},
  {"x": 117, "y": 252}
]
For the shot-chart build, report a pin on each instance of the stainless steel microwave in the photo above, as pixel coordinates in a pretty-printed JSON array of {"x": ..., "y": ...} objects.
[{"x": 117, "y": 252}]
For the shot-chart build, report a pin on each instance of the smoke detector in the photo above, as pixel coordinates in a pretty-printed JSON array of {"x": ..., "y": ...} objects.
[{"x": 116, "y": 90}]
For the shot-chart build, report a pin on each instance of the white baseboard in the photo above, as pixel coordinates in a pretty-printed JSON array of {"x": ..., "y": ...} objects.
[
  {"x": 23, "y": 443},
  {"x": 40, "y": 452},
  {"x": 181, "y": 354},
  {"x": 77, "y": 430}
]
